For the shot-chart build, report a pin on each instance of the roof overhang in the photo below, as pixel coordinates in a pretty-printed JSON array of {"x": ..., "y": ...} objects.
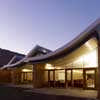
[{"x": 92, "y": 31}]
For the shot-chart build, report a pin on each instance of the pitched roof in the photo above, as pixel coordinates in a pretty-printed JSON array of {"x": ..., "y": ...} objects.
[
  {"x": 35, "y": 52},
  {"x": 15, "y": 59},
  {"x": 6, "y": 56}
]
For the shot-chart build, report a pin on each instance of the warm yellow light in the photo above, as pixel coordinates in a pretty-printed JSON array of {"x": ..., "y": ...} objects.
[
  {"x": 49, "y": 66},
  {"x": 26, "y": 70},
  {"x": 58, "y": 67},
  {"x": 77, "y": 71},
  {"x": 88, "y": 45},
  {"x": 90, "y": 59}
]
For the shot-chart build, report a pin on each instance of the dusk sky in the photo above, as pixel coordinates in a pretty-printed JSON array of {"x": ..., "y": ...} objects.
[{"x": 49, "y": 23}]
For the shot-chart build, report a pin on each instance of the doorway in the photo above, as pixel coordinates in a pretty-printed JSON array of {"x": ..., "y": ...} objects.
[
  {"x": 26, "y": 77},
  {"x": 90, "y": 78},
  {"x": 51, "y": 78}
]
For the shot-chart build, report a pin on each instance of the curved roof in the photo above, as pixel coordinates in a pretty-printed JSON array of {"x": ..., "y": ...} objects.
[
  {"x": 75, "y": 43},
  {"x": 66, "y": 49}
]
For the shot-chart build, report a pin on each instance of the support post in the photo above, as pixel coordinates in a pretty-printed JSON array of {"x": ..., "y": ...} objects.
[
  {"x": 38, "y": 75},
  {"x": 98, "y": 72},
  {"x": 13, "y": 77},
  {"x": 72, "y": 82},
  {"x": 84, "y": 79},
  {"x": 54, "y": 77},
  {"x": 66, "y": 84}
]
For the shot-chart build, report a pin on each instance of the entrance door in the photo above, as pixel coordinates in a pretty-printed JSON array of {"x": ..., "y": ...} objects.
[
  {"x": 69, "y": 77},
  {"x": 77, "y": 77},
  {"x": 90, "y": 78},
  {"x": 51, "y": 78},
  {"x": 26, "y": 77}
]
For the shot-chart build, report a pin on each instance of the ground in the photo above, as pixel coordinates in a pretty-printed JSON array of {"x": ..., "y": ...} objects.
[{"x": 17, "y": 93}]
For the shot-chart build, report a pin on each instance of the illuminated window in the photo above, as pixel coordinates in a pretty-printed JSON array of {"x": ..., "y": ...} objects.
[{"x": 49, "y": 66}]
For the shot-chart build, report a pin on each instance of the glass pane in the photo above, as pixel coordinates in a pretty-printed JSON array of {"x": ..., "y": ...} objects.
[
  {"x": 60, "y": 75},
  {"x": 69, "y": 75},
  {"x": 90, "y": 59},
  {"x": 51, "y": 75},
  {"x": 78, "y": 78},
  {"x": 69, "y": 78},
  {"x": 29, "y": 76},
  {"x": 90, "y": 78}
]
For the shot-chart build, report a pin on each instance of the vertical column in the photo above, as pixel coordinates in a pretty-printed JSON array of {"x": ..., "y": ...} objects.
[
  {"x": 38, "y": 75},
  {"x": 66, "y": 84},
  {"x": 95, "y": 78},
  {"x": 49, "y": 78},
  {"x": 98, "y": 72},
  {"x": 54, "y": 77},
  {"x": 72, "y": 82},
  {"x": 84, "y": 79},
  {"x": 13, "y": 78},
  {"x": 33, "y": 75},
  {"x": 21, "y": 77}
]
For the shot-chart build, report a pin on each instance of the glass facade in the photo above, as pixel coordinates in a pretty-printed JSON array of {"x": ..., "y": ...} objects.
[
  {"x": 60, "y": 75},
  {"x": 85, "y": 61},
  {"x": 26, "y": 74},
  {"x": 26, "y": 77},
  {"x": 73, "y": 67}
]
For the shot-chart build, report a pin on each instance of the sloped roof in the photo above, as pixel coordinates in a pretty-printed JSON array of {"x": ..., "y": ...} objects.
[
  {"x": 93, "y": 29},
  {"x": 35, "y": 52},
  {"x": 6, "y": 56},
  {"x": 15, "y": 59}
]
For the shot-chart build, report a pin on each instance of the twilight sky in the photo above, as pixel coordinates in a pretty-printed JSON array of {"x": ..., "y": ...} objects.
[{"x": 49, "y": 23}]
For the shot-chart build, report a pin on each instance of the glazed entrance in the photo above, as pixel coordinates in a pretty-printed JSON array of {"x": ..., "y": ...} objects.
[
  {"x": 76, "y": 69},
  {"x": 80, "y": 78}
]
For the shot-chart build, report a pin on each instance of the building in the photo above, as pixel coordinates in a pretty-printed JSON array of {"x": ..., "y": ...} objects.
[
  {"x": 23, "y": 73},
  {"x": 76, "y": 64},
  {"x": 6, "y": 56}
]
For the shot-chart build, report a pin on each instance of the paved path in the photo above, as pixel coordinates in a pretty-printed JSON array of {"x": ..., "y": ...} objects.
[{"x": 16, "y": 93}]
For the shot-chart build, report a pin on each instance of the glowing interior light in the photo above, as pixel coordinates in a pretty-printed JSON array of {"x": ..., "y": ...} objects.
[
  {"x": 49, "y": 66},
  {"x": 26, "y": 70},
  {"x": 58, "y": 67},
  {"x": 88, "y": 45},
  {"x": 77, "y": 71},
  {"x": 90, "y": 59}
]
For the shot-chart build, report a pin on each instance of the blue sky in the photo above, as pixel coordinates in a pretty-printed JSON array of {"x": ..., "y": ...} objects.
[{"x": 49, "y": 23}]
